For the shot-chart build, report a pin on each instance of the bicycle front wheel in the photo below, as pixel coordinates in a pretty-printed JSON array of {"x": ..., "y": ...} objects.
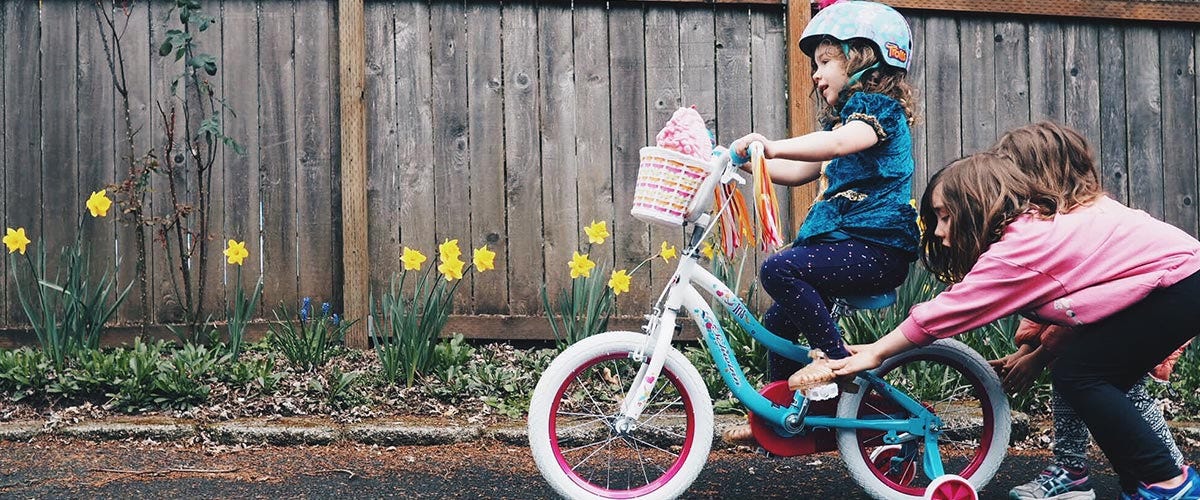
[
  {"x": 584, "y": 450},
  {"x": 956, "y": 384}
]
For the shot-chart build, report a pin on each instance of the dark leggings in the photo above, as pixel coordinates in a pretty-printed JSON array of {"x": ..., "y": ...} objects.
[
  {"x": 1106, "y": 359},
  {"x": 802, "y": 280}
]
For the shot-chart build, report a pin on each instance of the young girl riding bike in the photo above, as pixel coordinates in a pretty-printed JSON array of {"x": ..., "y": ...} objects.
[
  {"x": 1102, "y": 268},
  {"x": 1059, "y": 159},
  {"x": 861, "y": 234}
]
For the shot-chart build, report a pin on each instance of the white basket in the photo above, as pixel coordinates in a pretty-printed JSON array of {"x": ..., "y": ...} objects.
[{"x": 667, "y": 181}]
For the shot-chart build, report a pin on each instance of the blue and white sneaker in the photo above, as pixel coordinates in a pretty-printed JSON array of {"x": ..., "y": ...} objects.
[
  {"x": 1189, "y": 490},
  {"x": 1057, "y": 483}
]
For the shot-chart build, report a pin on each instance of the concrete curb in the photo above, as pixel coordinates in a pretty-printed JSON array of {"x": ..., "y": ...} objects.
[{"x": 299, "y": 431}]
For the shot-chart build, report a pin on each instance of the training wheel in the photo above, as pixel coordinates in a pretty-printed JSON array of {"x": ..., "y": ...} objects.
[
  {"x": 881, "y": 458},
  {"x": 950, "y": 487}
]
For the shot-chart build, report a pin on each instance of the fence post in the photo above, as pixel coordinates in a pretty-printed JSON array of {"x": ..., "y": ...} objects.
[
  {"x": 801, "y": 116},
  {"x": 355, "y": 261}
]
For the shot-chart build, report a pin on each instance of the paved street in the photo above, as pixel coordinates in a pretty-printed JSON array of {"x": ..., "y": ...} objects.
[{"x": 51, "y": 467}]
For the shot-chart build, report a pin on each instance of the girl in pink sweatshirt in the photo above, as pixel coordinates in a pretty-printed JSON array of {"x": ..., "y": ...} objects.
[{"x": 1128, "y": 283}]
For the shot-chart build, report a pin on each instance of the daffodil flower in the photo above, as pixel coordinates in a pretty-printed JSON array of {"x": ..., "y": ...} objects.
[
  {"x": 707, "y": 250},
  {"x": 235, "y": 252},
  {"x": 484, "y": 259},
  {"x": 412, "y": 259},
  {"x": 98, "y": 203},
  {"x": 581, "y": 266},
  {"x": 449, "y": 250},
  {"x": 15, "y": 240},
  {"x": 619, "y": 282},
  {"x": 597, "y": 232},
  {"x": 452, "y": 269},
  {"x": 667, "y": 252}
]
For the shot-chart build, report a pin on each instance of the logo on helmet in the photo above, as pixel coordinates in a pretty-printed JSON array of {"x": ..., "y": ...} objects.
[{"x": 895, "y": 52}]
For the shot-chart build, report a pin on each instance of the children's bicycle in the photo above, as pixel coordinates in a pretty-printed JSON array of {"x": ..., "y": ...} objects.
[{"x": 626, "y": 415}]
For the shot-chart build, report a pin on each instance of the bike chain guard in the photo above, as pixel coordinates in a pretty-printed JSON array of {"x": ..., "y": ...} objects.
[{"x": 809, "y": 442}]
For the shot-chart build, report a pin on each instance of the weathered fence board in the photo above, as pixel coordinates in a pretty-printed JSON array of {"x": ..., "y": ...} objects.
[{"x": 515, "y": 125}]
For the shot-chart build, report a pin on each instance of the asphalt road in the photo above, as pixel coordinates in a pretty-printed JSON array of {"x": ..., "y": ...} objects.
[{"x": 55, "y": 468}]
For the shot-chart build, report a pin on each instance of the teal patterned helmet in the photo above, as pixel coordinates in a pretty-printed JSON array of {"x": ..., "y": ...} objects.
[{"x": 871, "y": 21}]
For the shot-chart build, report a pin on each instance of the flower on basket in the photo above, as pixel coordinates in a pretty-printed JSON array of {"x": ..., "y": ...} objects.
[
  {"x": 581, "y": 265},
  {"x": 667, "y": 252},
  {"x": 596, "y": 232},
  {"x": 619, "y": 282},
  {"x": 412, "y": 259},
  {"x": 16, "y": 241},
  {"x": 235, "y": 252},
  {"x": 98, "y": 203},
  {"x": 483, "y": 259}
]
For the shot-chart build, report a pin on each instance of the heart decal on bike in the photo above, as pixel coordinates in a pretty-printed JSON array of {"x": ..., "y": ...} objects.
[{"x": 649, "y": 380}]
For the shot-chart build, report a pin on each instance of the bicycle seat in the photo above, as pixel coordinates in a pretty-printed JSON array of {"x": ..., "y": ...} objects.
[{"x": 876, "y": 301}]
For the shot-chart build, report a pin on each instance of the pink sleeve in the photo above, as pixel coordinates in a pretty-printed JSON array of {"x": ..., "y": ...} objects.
[{"x": 994, "y": 288}]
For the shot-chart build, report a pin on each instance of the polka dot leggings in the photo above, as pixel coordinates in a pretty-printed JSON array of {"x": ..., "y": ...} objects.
[{"x": 802, "y": 280}]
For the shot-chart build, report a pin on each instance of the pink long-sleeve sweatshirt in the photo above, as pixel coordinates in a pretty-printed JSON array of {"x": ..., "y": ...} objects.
[{"x": 1072, "y": 269}]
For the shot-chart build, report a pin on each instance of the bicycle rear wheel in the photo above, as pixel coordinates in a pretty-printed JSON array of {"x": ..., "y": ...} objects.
[
  {"x": 954, "y": 382},
  {"x": 583, "y": 449}
]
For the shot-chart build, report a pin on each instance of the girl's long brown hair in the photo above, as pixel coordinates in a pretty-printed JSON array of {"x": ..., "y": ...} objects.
[
  {"x": 885, "y": 79},
  {"x": 982, "y": 193},
  {"x": 1058, "y": 158}
]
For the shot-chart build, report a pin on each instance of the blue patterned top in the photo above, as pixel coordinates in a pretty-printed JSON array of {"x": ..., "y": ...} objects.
[{"x": 869, "y": 191}]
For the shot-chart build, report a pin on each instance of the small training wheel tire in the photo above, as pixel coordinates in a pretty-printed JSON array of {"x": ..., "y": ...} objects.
[
  {"x": 882, "y": 457},
  {"x": 950, "y": 487}
]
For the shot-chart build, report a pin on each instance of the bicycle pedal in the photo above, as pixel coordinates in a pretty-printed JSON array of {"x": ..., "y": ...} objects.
[{"x": 822, "y": 392}]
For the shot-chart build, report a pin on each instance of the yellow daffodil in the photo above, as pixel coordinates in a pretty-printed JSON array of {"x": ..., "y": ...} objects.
[
  {"x": 596, "y": 232},
  {"x": 98, "y": 203},
  {"x": 484, "y": 259},
  {"x": 619, "y": 282},
  {"x": 707, "y": 250},
  {"x": 452, "y": 269},
  {"x": 667, "y": 252},
  {"x": 581, "y": 266},
  {"x": 412, "y": 259},
  {"x": 236, "y": 252},
  {"x": 449, "y": 250},
  {"x": 15, "y": 240}
]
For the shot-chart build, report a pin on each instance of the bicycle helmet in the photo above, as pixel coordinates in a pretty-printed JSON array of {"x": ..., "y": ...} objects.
[{"x": 871, "y": 21}]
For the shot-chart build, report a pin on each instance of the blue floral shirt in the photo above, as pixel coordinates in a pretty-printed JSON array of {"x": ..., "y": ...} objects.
[{"x": 869, "y": 191}]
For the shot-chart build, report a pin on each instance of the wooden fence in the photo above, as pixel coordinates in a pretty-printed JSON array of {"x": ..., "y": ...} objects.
[{"x": 515, "y": 124}]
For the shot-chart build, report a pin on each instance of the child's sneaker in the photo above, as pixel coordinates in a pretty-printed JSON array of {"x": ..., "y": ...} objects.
[
  {"x": 1055, "y": 482},
  {"x": 1189, "y": 490}
]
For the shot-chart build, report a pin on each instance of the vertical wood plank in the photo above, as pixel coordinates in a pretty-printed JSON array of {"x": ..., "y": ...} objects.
[
  {"x": 348, "y": 187},
  {"x": 1143, "y": 103},
  {"x": 1012, "y": 75},
  {"x": 137, "y": 72},
  {"x": 801, "y": 98},
  {"x": 485, "y": 121},
  {"x": 242, "y": 175},
  {"x": 4, "y": 283},
  {"x": 277, "y": 160},
  {"x": 522, "y": 153},
  {"x": 698, "y": 72},
  {"x": 627, "y": 70},
  {"x": 315, "y": 93},
  {"x": 768, "y": 89},
  {"x": 1047, "y": 92},
  {"x": 214, "y": 266},
  {"x": 383, "y": 156},
  {"x": 60, "y": 206},
  {"x": 22, "y": 133},
  {"x": 733, "y": 95},
  {"x": 452, "y": 165},
  {"x": 165, "y": 105},
  {"x": 97, "y": 140},
  {"x": 662, "y": 99},
  {"x": 918, "y": 73},
  {"x": 978, "y": 84},
  {"x": 1082, "y": 93},
  {"x": 1178, "y": 79},
  {"x": 414, "y": 126},
  {"x": 1114, "y": 166},
  {"x": 944, "y": 98},
  {"x": 592, "y": 125},
  {"x": 560, "y": 204}
]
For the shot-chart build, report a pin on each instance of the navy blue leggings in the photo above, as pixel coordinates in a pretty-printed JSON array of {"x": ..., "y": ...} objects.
[{"x": 802, "y": 280}]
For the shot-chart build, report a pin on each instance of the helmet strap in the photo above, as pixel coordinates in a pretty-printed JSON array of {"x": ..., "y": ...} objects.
[{"x": 856, "y": 76}]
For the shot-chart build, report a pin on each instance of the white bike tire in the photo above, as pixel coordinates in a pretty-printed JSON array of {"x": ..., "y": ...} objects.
[
  {"x": 956, "y": 352},
  {"x": 565, "y": 366}
]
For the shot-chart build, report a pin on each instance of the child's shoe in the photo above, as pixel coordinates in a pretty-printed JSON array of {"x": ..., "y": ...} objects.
[
  {"x": 1189, "y": 490},
  {"x": 815, "y": 380},
  {"x": 1058, "y": 483}
]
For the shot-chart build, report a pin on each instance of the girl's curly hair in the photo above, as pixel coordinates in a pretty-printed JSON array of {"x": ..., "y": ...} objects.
[{"x": 884, "y": 79}]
